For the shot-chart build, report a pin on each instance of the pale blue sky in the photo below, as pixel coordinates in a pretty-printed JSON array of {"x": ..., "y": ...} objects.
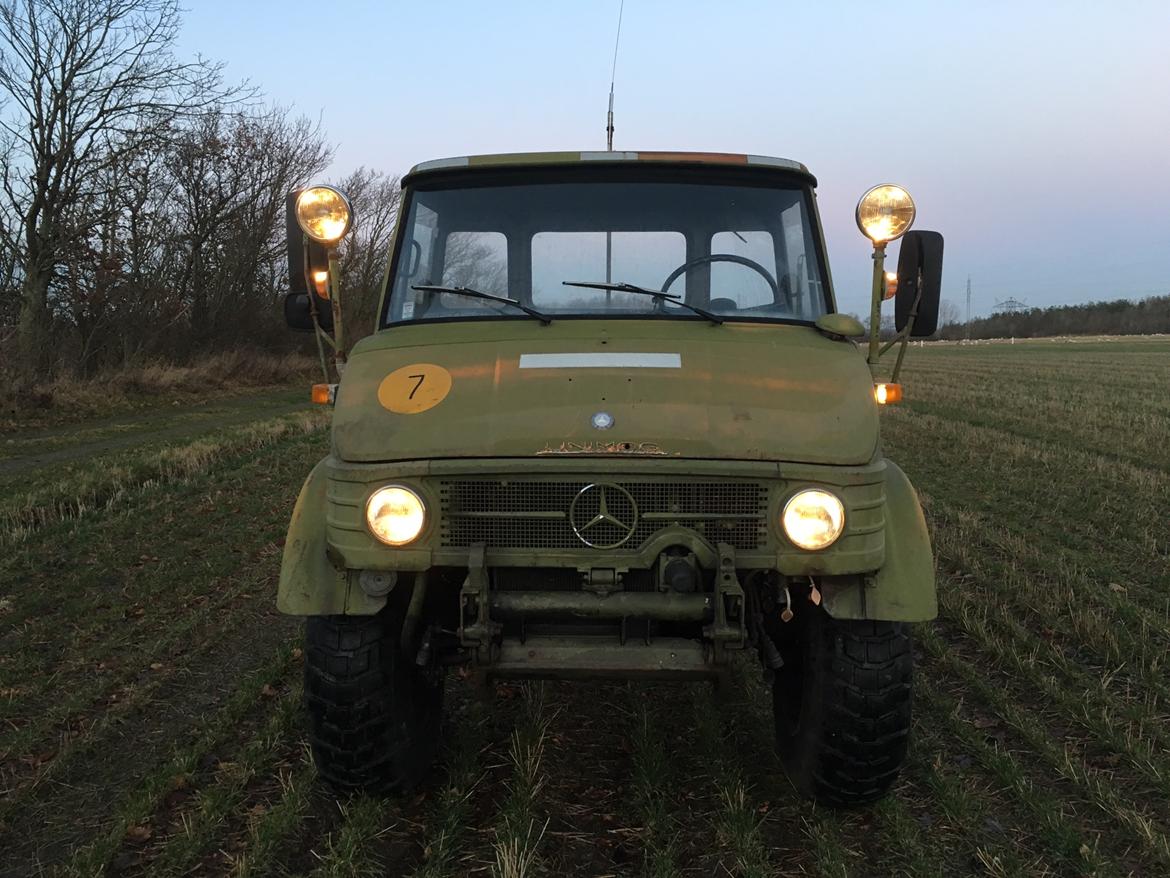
[{"x": 1034, "y": 136}]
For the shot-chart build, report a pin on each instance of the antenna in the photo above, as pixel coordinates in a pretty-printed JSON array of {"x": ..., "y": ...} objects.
[
  {"x": 609, "y": 147},
  {"x": 612, "y": 75}
]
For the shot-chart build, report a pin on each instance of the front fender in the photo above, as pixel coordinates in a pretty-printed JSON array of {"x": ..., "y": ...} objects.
[
  {"x": 903, "y": 589},
  {"x": 310, "y": 584}
]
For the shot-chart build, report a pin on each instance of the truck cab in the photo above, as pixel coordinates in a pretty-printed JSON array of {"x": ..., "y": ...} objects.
[{"x": 610, "y": 423}]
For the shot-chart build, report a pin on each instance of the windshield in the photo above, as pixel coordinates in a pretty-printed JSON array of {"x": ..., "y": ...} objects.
[{"x": 739, "y": 252}]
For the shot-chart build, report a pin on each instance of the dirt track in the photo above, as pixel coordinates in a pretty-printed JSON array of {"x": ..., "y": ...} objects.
[{"x": 34, "y": 449}]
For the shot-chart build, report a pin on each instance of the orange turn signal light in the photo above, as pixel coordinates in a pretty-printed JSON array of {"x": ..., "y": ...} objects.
[
  {"x": 321, "y": 283},
  {"x": 323, "y": 394},
  {"x": 887, "y": 394}
]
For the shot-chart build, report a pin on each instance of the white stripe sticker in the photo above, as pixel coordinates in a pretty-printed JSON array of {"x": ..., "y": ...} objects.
[{"x": 600, "y": 361}]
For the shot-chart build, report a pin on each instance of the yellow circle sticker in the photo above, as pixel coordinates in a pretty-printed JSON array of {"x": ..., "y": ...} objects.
[{"x": 415, "y": 388}]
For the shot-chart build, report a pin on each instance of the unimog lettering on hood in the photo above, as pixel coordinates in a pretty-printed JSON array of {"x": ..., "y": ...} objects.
[
  {"x": 608, "y": 448},
  {"x": 610, "y": 423}
]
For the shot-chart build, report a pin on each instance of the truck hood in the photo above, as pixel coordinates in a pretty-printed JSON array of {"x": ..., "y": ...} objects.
[{"x": 679, "y": 388}]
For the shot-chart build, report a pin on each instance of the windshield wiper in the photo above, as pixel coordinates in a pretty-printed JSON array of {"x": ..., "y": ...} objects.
[
  {"x": 657, "y": 295},
  {"x": 476, "y": 294}
]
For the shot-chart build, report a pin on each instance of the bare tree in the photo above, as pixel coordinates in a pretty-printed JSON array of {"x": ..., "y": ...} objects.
[
  {"x": 375, "y": 198},
  {"x": 232, "y": 173},
  {"x": 191, "y": 255},
  {"x": 948, "y": 312},
  {"x": 89, "y": 82},
  {"x": 185, "y": 251}
]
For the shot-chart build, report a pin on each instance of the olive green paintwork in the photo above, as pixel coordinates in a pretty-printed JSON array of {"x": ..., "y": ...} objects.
[
  {"x": 903, "y": 589},
  {"x": 786, "y": 405},
  {"x": 310, "y": 585},
  {"x": 843, "y": 325},
  {"x": 741, "y": 392}
]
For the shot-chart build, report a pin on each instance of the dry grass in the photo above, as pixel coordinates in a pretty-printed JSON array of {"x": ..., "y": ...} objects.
[
  {"x": 90, "y": 489},
  {"x": 68, "y": 398},
  {"x": 516, "y": 855}
]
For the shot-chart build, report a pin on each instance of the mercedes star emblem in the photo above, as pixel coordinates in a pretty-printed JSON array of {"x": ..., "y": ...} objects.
[
  {"x": 603, "y": 515},
  {"x": 602, "y": 421}
]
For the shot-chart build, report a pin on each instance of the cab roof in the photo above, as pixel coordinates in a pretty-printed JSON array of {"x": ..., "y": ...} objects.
[{"x": 515, "y": 160}]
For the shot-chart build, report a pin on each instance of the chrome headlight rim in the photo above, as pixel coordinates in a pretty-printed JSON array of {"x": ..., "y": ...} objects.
[
  {"x": 299, "y": 211},
  {"x": 793, "y": 498},
  {"x": 869, "y": 201},
  {"x": 369, "y": 519}
]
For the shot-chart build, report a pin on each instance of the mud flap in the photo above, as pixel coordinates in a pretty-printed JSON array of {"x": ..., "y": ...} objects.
[
  {"x": 903, "y": 589},
  {"x": 309, "y": 583}
]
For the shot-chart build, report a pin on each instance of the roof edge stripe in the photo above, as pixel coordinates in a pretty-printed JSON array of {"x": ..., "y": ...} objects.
[{"x": 546, "y": 158}]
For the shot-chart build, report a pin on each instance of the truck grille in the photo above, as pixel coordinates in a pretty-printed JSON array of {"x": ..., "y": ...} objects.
[{"x": 521, "y": 514}]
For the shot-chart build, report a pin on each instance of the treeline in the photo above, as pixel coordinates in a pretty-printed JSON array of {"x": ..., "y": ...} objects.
[
  {"x": 1119, "y": 317},
  {"x": 142, "y": 197}
]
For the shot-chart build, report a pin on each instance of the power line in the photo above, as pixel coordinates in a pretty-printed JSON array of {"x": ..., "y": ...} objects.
[{"x": 968, "y": 307}]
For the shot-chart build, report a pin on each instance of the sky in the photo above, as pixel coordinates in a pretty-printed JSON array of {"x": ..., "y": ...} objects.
[{"x": 1034, "y": 135}]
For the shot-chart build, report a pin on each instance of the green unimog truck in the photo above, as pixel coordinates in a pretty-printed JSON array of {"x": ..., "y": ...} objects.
[{"x": 609, "y": 424}]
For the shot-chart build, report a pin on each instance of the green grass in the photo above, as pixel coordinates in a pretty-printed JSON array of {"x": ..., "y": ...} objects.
[
  {"x": 88, "y": 647},
  {"x": 351, "y": 851},
  {"x": 737, "y": 819},
  {"x": 140, "y": 802},
  {"x": 150, "y": 720},
  {"x": 450, "y": 824},
  {"x": 655, "y": 775},
  {"x": 278, "y": 822},
  {"x": 521, "y": 822}
]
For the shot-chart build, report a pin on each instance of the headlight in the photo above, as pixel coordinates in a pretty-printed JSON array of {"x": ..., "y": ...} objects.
[
  {"x": 395, "y": 515},
  {"x": 323, "y": 214},
  {"x": 813, "y": 519},
  {"x": 885, "y": 212}
]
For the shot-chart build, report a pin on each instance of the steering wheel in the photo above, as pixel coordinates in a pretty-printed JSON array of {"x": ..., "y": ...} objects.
[{"x": 724, "y": 257}]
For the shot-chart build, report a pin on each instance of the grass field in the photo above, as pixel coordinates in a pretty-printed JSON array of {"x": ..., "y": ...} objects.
[{"x": 149, "y": 693}]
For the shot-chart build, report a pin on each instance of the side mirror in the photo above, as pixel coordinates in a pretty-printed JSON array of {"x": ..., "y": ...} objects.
[
  {"x": 298, "y": 316},
  {"x": 306, "y": 258},
  {"x": 919, "y": 283}
]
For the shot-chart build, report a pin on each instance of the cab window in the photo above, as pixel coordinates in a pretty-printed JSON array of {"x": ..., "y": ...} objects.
[
  {"x": 644, "y": 259},
  {"x": 746, "y": 252},
  {"x": 740, "y": 285}
]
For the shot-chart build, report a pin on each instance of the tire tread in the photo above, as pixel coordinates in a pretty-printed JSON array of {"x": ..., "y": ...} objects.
[
  {"x": 365, "y": 717},
  {"x": 855, "y": 751}
]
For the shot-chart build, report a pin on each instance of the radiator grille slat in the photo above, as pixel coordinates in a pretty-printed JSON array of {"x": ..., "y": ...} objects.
[{"x": 522, "y": 514}]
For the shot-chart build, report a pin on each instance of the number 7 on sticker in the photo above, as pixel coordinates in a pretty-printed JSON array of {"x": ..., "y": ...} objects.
[{"x": 414, "y": 388}]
